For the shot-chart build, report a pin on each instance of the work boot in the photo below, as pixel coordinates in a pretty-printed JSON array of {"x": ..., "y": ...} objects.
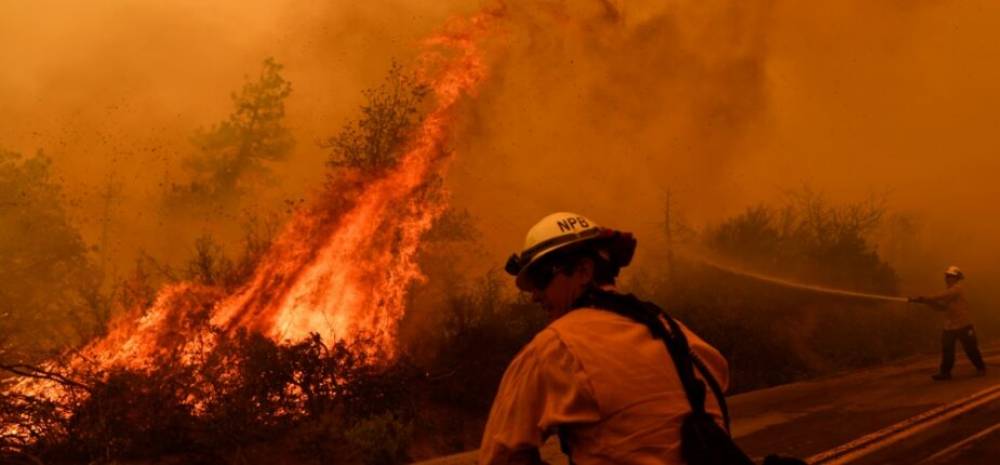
[{"x": 941, "y": 377}]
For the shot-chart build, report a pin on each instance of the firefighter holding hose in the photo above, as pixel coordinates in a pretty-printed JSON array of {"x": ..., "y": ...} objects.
[
  {"x": 596, "y": 376},
  {"x": 957, "y": 324}
]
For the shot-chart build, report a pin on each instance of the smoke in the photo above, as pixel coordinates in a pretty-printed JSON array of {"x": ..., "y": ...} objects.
[
  {"x": 890, "y": 97},
  {"x": 600, "y": 108},
  {"x": 593, "y": 106},
  {"x": 114, "y": 91},
  {"x": 727, "y": 104}
]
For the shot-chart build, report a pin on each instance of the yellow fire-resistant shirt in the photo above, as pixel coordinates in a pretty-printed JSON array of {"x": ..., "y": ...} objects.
[
  {"x": 607, "y": 381},
  {"x": 954, "y": 305}
]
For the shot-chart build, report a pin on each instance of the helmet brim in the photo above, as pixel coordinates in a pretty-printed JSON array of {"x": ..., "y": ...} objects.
[
  {"x": 522, "y": 281},
  {"x": 619, "y": 247}
]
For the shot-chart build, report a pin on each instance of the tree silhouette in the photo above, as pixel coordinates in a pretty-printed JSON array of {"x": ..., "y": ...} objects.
[
  {"x": 46, "y": 267},
  {"x": 233, "y": 154},
  {"x": 376, "y": 140}
]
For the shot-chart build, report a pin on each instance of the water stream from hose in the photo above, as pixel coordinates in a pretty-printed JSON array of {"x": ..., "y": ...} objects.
[{"x": 792, "y": 284}]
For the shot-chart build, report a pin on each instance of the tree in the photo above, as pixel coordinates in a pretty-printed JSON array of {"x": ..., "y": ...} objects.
[
  {"x": 234, "y": 153},
  {"x": 810, "y": 238},
  {"x": 376, "y": 140},
  {"x": 44, "y": 296},
  {"x": 772, "y": 334}
]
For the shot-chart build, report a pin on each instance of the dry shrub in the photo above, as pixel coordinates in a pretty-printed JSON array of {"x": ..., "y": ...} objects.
[
  {"x": 773, "y": 335},
  {"x": 246, "y": 391},
  {"x": 465, "y": 345},
  {"x": 130, "y": 415},
  {"x": 381, "y": 439}
]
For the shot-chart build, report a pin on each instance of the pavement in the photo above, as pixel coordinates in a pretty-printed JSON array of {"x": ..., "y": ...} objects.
[
  {"x": 969, "y": 439},
  {"x": 807, "y": 418}
]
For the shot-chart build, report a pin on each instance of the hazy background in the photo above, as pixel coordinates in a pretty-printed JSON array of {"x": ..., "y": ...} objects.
[
  {"x": 595, "y": 107},
  {"x": 866, "y": 109}
]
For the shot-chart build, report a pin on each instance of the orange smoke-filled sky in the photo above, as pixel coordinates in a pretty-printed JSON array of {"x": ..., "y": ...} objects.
[{"x": 591, "y": 106}]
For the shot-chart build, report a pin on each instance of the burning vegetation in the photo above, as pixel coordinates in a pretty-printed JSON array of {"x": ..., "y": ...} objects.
[
  {"x": 326, "y": 330},
  {"x": 237, "y": 354}
]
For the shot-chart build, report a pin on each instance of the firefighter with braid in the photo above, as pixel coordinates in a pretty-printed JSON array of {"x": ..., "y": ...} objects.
[
  {"x": 957, "y": 324},
  {"x": 595, "y": 377}
]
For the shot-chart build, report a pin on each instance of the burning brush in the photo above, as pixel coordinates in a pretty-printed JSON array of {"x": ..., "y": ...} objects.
[{"x": 338, "y": 272}]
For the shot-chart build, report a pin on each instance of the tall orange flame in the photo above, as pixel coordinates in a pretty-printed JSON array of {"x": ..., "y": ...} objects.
[
  {"x": 356, "y": 280},
  {"x": 340, "y": 269}
]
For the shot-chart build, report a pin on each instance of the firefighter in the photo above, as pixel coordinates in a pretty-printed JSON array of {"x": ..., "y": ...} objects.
[
  {"x": 595, "y": 378},
  {"x": 957, "y": 324}
]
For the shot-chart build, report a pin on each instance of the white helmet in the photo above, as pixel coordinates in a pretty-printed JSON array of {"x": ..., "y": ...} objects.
[
  {"x": 955, "y": 272},
  {"x": 560, "y": 231}
]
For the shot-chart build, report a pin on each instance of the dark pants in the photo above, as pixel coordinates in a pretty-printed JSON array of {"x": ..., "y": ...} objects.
[{"x": 968, "y": 337}]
